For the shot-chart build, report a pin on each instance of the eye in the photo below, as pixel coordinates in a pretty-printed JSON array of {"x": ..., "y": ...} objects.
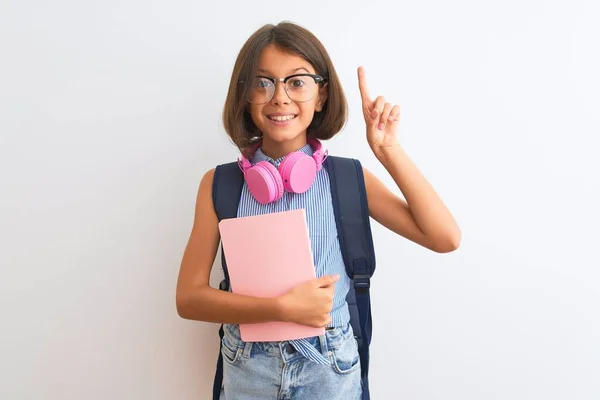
[
  {"x": 296, "y": 83},
  {"x": 263, "y": 83}
]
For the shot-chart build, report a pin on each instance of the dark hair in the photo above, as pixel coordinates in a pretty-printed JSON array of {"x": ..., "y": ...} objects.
[{"x": 296, "y": 40}]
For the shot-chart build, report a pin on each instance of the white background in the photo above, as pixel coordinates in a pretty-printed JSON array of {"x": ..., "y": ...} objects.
[{"x": 110, "y": 114}]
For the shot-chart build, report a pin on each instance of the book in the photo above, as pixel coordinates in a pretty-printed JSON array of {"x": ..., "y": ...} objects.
[{"x": 266, "y": 256}]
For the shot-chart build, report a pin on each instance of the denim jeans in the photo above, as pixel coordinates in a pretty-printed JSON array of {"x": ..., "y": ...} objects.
[{"x": 276, "y": 370}]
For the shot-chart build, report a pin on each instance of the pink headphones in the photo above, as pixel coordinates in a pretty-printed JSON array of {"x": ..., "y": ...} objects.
[{"x": 295, "y": 174}]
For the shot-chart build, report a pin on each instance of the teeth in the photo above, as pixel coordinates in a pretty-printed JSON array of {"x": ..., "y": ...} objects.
[{"x": 282, "y": 117}]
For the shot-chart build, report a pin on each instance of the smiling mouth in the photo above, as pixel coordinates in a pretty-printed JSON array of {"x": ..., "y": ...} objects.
[{"x": 281, "y": 118}]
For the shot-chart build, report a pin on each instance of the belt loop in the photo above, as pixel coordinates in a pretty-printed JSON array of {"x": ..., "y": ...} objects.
[
  {"x": 324, "y": 347},
  {"x": 247, "y": 349}
]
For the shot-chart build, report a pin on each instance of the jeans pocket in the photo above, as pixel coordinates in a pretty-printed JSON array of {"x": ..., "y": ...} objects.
[
  {"x": 230, "y": 348},
  {"x": 346, "y": 358}
]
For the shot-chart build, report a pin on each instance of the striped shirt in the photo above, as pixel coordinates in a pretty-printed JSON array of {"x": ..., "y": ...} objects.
[{"x": 327, "y": 255}]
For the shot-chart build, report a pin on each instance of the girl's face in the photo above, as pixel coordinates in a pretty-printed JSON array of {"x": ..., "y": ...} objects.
[{"x": 282, "y": 119}]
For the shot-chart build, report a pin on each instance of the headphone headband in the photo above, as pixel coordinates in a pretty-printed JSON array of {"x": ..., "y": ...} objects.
[{"x": 319, "y": 154}]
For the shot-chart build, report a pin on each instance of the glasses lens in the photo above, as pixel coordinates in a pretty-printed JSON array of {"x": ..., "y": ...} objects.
[
  {"x": 262, "y": 91},
  {"x": 301, "y": 88}
]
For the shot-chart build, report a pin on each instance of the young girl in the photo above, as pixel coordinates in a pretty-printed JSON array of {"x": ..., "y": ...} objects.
[{"x": 284, "y": 98}]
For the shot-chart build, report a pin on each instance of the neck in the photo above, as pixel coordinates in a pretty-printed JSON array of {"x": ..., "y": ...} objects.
[{"x": 276, "y": 149}]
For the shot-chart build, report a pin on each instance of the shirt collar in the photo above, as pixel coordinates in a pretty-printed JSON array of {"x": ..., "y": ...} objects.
[{"x": 260, "y": 156}]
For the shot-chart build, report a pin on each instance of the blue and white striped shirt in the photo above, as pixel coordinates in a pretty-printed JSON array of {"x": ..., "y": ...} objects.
[{"x": 327, "y": 255}]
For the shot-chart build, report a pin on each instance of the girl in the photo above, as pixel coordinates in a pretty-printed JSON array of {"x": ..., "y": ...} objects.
[{"x": 284, "y": 97}]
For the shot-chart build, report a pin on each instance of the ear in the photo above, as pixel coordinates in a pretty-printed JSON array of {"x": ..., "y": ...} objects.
[{"x": 322, "y": 98}]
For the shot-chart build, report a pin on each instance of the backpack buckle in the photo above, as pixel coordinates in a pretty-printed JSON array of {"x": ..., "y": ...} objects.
[{"x": 362, "y": 281}]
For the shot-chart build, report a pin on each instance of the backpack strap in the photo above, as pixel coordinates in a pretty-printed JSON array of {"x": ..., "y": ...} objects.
[
  {"x": 354, "y": 231},
  {"x": 226, "y": 192}
]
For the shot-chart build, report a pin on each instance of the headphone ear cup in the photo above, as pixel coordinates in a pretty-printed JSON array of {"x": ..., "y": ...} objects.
[
  {"x": 298, "y": 171},
  {"x": 264, "y": 182}
]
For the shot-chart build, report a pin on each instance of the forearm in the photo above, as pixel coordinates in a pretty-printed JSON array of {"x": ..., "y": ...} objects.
[
  {"x": 213, "y": 305},
  {"x": 428, "y": 210}
]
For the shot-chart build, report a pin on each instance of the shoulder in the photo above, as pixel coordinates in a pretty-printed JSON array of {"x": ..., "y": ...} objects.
[
  {"x": 341, "y": 161},
  {"x": 350, "y": 170},
  {"x": 217, "y": 186},
  {"x": 345, "y": 168},
  {"x": 213, "y": 176},
  {"x": 206, "y": 186},
  {"x": 208, "y": 177}
]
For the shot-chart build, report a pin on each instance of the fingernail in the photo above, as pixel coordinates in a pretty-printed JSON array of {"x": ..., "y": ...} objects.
[{"x": 380, "y": 126}]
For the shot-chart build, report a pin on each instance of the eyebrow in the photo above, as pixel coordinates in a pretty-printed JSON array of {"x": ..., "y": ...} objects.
[{"x": 263, "y": 71}]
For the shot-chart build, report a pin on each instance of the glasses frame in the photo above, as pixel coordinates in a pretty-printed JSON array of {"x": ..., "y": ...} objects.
[{"x": 317, "y": 78}]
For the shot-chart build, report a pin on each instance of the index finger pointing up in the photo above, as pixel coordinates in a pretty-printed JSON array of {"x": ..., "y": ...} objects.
[{"x": 362, "y": 85}]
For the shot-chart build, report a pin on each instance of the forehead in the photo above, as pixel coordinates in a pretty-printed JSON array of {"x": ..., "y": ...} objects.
[{"x": 278, "y": 63}]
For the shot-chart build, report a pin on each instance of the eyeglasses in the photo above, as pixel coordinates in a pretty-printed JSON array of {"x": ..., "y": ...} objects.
[{"x": 299, "y": 87}]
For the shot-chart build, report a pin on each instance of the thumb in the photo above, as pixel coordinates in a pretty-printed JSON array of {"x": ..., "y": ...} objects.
[
  {"x": 374, "y": 114},
  {"x": 327, "y": 280},
  {"x": 372, "y": 117}
]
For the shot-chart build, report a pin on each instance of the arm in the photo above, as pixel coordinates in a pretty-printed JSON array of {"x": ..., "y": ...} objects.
[
  {"x": 422, "y": 217},
  {"x": 307, "y": 304},
  {"x": 195, "y": 298}
]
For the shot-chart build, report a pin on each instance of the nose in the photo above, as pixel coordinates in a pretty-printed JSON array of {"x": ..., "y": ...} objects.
[{"x": 280, "y": 96}]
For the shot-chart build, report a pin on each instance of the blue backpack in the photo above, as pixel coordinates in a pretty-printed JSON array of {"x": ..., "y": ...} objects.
[{"x": 354, "y": 232}]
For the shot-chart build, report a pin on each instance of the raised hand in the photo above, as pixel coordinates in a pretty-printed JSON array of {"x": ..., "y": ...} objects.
[{"x": 382, "y": 119}]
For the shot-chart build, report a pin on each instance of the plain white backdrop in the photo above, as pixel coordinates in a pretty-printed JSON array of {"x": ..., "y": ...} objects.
[{"x": 110, "y": 114}]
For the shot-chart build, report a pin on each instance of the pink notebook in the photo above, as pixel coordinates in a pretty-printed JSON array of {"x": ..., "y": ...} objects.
[{"x": 266, "y": 256}]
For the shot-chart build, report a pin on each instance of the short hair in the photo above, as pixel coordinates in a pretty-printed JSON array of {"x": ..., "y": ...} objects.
[{"x": 292, "y": 38}]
